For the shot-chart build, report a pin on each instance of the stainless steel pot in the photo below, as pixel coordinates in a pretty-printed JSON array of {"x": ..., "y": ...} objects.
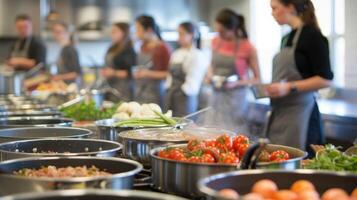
[
  {"x": 60, "y": 147},
  {"x": 107, "y": 130},
  {"x": 18, "y": 122},
  {"x": 8, "y": 135},
  {"x": 11, "y": 82},
  {"x": 31, "y": 113},
  {"x": 27, "y": 106},
  {"x": 179, "y": 178},
  {"x": 242, "y": 181},
  {"x": 93, "y": 194},
  {"x": 138, "y": 148},
  {"x": 122, "y": 177}
]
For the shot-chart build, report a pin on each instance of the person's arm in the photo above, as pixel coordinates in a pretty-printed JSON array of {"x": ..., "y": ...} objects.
[
  {"x": 21, "y": 63},
  {"x": 66, "y": 77},
  {"x": 254, "y": 66},
  {"x": 195, "y": 72}
]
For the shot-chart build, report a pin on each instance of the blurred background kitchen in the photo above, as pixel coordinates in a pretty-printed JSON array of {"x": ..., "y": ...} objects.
[{"x": 91, "y": 21}]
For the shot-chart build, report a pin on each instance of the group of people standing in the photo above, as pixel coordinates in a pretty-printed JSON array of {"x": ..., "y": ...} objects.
[{"x": 174, "y": 80}]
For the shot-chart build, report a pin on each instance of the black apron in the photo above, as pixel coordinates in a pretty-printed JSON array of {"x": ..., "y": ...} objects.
[
  {"x": 148, "y": 90},
  {"x": 176, "y": 100},
  {"x": 123, "y": 86},
  {"x": 21, "y": 53},
  {"x": 289, "y": 122}
]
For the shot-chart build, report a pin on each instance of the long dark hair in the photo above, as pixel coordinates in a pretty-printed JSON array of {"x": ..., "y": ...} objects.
[
  {"x": 126, "y": 41},
  {"x": 232, "y": 21},
  {"x": 306, "y": 11},
  {"x": 66, "y": 27},
  {"x": 149, "y": 22},
  {"x": 190, "y": 28}
]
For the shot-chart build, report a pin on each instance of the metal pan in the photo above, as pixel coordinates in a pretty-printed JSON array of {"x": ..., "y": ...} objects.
[
  {"x": 108, "y": 131},
  {"x": 177, "y": 177},
  {"x": 93, "y": 194},
  {"x": 31, "y": 113},
  {"x": 138, "y": 148},
  {"x": 242, "y": 181},
  {"x": 59, "y": 147},
  {"x": 18, "y": 122},
  {"x": 25, "y": 107},
  {"x": 122, "y": 177},
  {"x": 8, "y": 135}
]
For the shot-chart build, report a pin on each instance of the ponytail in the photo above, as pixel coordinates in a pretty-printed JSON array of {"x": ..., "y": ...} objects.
[
  {"x": 148, "y": 22},
  {"x": 232, "y": 21},
  {"x": 305, "y": 10},
  {"x": 189, "y": 27},
  {"x": 241, "y": 28}
]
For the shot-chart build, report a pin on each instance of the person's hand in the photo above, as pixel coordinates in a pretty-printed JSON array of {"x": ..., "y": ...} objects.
[
  {"x": 276, "y": 90},
  {"x": 107, "y": 72},
  {"x": 231, "y": 85},
  {"x": 141, "y": 74},
  {"x": 13, "y": 62}
]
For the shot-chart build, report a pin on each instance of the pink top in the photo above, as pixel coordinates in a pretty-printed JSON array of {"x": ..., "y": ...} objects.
[{"x": 244, "y": 52}]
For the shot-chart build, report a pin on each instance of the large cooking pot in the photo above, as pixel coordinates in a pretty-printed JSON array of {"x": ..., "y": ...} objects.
[
  {"x": 18, "y": 122},
  {"x": 93, "y": 194},
  {"x": 242, "y": 181},
  {"x": 14, "y": 134},
  {"x": 60, "y": 147},
  {"x": 11, "y": 82},
  {"x": 138, "y": 143},
  {"x": 178, "y": 177},
  {"x": 122, "y": 177},
  {"x": 107, "y": 130}
]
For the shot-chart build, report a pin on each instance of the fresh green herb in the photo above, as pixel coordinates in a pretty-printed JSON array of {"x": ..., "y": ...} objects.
[
  {"x": 87, "y": 111},
  {"x": 331, "y": 158}
]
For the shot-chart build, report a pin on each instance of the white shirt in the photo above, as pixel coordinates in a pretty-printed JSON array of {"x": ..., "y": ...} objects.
[{"x": 194, "y": 65}]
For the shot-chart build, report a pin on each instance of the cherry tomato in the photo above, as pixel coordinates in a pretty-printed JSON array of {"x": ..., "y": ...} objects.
[
  {"x": 279, "y": 156},
  {"x": 210, "y": 143},
  {"x": 228, "y": 158},
  {"x": 224, "y": 143},
  {"x": 194, "y": 145},
  {"x": 241, "y": 139},
  {"x": 265, "y": 187},
  {"x": 302, "y": 185},
  {"x": 163, "y": 154},
  {"x": 213, "y": 151},
  {"x": 176, "y": 154},
  {"x": 242, "y": 149},
  {"x": 208, "y": 158},
  {"x": 194, "y": 159}
]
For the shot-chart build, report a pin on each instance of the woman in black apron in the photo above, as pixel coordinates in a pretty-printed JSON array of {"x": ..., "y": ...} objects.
[
  {"x": 152, "y": 62},
  {"x": 233, "y": 56},
  {"x": 301, "y": 68},
  {"x": 69, "y": 69},
  {"x": 119, "y": 60},
  {"x": 187, "y": 70}
]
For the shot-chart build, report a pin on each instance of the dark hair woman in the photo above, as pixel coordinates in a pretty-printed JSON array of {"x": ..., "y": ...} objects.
[
  {"x": 301, "y": 68},
  {"x": 119, "y": 60},
  {"x": 69, "y": 69},
  {"x": 233, "y": 57},
  {"x": 186, "y": 72},
  {"x": 153, "y": 61}
]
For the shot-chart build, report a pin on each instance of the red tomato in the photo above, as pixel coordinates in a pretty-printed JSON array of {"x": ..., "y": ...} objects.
[
  {"x": 228, "y": 158},
  {"x": 176, "y": 154},
  {"x": 194, "y": 145},
  {"x": 224, "y": 142},
  {"x": 163, "y": 154},
  {"x": 208, "y": 158},
  {"x": 242, "y": 149},
  {"x": 279, "y": 156},
  {"x": 194, "y": 159},
  {"x": 301, "y": 186},
  {"x": 213, "y": 151},
  {"x": 210, "y": 143},
  {"x": 241, "y": 139},
  {"x": 334, "y": 194},
  {"x": 265, "y": 187}
]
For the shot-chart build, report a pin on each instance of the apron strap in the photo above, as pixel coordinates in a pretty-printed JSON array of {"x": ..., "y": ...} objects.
[{"x": 297, "y": 37}]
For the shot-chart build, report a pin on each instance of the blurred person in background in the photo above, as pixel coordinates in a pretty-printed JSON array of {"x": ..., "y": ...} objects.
[
  {"x": 152, "y": 62},
  {"x": 187, "y": 70},
  {"x": 300, "y": 68},
  {"x": 233, "y": 58},
  {"x": 119, "y": 60},
  {"x": 28, "y": 50},
  {"x": 69, "y": 68}
]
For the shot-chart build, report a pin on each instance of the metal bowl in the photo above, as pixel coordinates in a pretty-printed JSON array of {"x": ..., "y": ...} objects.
[
  {"x": 108, "y": 131},
  {"x": 18, "y": 122},
  {"x": 59, "y": 147},
  {"x": 242, "y": 181},
  {"x": 176, "y": 177},
  {"x": 122, "y": 177},
  {"x": 93, "y": 194},
  {"x": 138, "y": 149},
  {"x": 14, "y": 134}
]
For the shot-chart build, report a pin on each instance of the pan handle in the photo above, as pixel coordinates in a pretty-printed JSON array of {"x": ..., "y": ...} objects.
[{"x": 252, "y": 154}]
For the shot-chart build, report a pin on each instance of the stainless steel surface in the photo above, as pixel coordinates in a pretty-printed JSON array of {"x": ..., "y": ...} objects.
[
  {"x": 242, "y": 181},
  {"x": 108, "y": 131},
  {"x": 18, "y": 122},
  {"x": 7, "y": 135},
  {"x": 177, "y": 177},
  {"x": 93, "y": 194},
  {"x": 139, "y": 148},
  {"x": 122, "y": 177},
  {"x": 60, "y": 147}
]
